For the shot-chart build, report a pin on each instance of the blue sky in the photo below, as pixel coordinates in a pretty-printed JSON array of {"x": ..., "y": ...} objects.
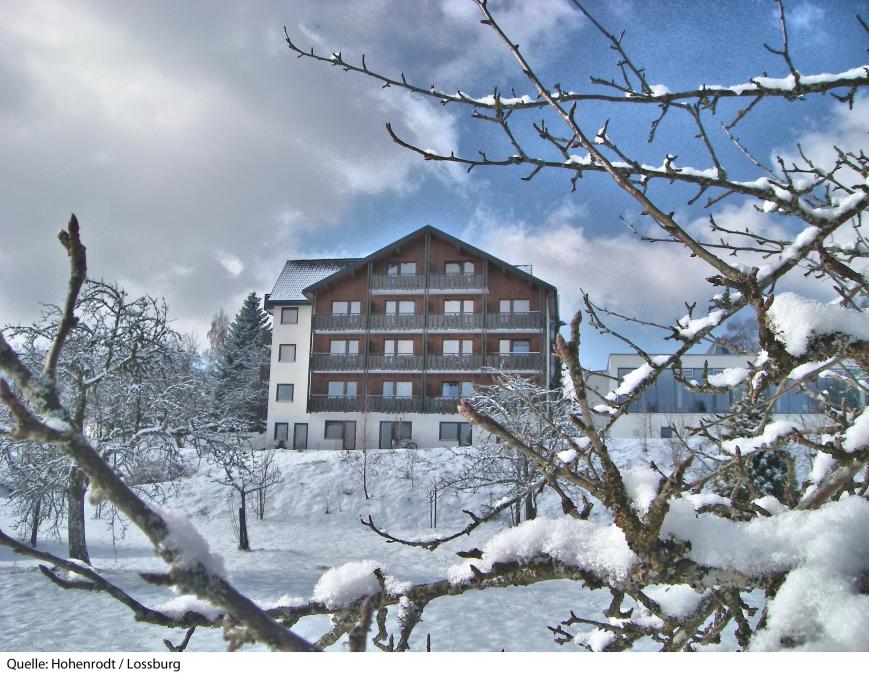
[{"x": 199, "y": 153}]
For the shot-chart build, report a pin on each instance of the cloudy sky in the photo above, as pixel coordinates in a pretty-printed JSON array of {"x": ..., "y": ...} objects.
[{"x": 198, "y": 153}]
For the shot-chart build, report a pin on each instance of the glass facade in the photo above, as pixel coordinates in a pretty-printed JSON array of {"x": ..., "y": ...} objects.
[{"x": 667, "y": 395}]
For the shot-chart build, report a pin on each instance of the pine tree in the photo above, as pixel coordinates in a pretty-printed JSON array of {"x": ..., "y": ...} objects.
[
  {"x": 767, "y": 471},
  {"x": 241, "y": 390}
]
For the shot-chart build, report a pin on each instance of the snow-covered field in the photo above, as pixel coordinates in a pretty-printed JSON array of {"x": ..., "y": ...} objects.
[{"x": 312, "y": 524}]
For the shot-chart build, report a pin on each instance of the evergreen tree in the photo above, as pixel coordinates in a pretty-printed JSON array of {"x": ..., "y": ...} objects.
[
  {"x": 241, "y": 388},
  {"x": 767, "y": 470}
]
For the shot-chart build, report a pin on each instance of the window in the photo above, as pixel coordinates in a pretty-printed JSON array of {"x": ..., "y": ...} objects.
[
  {"x": 300, "y": 436},
  {"x": 289, "y": 316},
  {"x": 284, "y": 392},
  {"x": 345, "y": 307},
  {"x": 398, "y": 347},
  {"x": 458, "y": 347},
  {"x": 344, "y": 347},
  {"x": 459, "y": 306},
  {"x": 401, "y": 269},
  {"x": 459, "y": 267},
  {"x": 515, "y": 306},
  {"x": 343, "y": 430},
  {"x": 404, "y": 307},
  {"x": 287, "y": 353},
  {"x": 456, "y": 389},
  {"x": 282, "y": 432},
  {"x": 398, "y": 389},
  {"x": 507, "y": 346},
  {"x": 394, "y": 431},
  {"x": 666, "y": 432},
  {"x": 456, "y": 432},
  {"x": 334, "y": 430},
  {"x": 342, "y": 388}
]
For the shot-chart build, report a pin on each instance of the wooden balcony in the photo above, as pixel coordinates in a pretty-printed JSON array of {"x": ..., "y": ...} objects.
[
  {"x": 337, "y": 362},
  {"x": 400, "y": 363},
  {"x": 394, "y": 405},
  {"x": 454, "y": 363},
  {"x": 332, "y": 403},
  {"x": 398, "y": 283},
  {"x": 456, "y": 281},
  {"x": 339, "y": 322},
  {"x": 515, "y": 362},
  {"x": 463, "y": 322},
  {"x": 396, "y": 322},
  {"x": 531, "y": 321},
  {"x": 378, "y": 403},
  {"x": 442, "y": 405}
]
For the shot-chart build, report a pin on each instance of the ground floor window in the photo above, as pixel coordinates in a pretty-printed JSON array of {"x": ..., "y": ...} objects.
[
  {"x": 343, "y": 430},
  {"x": 394, "y": 432},
  {"x": 457, "y": 432},
  {"x": 300, "y": 436},
  {"x": 282, "y": 432}
]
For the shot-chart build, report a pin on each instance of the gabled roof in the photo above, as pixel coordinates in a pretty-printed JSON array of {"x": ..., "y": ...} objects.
[
  {"x": 297, "y": 274},
  {"x": 356, "y": 264}
]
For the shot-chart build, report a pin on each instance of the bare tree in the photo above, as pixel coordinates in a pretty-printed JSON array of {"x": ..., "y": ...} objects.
[
  {"x": 119, "y": 373},
  {"x": 40, "y": 416},
  {"x": 247, "y": 471}
]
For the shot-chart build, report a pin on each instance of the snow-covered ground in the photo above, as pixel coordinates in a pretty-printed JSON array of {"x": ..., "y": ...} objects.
[{"x": 311, "y": 524}]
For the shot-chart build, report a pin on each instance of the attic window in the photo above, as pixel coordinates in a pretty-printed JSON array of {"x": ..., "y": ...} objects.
[
  {"x": 401, "y": 269},
  {"x": 459, "y": 267}
]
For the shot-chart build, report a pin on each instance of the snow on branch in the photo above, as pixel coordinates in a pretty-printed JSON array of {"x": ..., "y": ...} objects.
[{"x": 797, "y": 320}]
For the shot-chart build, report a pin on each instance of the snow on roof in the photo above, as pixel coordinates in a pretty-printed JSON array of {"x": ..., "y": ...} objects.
[{"x": 298, "y": 274}]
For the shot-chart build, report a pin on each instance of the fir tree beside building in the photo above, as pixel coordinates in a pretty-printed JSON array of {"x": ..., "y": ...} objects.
[{"x": 241, "y": 382}]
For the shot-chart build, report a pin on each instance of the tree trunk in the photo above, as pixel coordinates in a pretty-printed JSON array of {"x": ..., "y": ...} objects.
[
  {"x": 75, "y": 518},
  {"x": 243, "y": 542},
  {"x": 530, "y": 509},
  {"x": 34, "y": 527}
]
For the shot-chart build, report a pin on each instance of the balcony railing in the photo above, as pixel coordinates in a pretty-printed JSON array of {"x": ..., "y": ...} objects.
[
  {"x": 337, "y": 362},
  {"x": 394, "y": 362},
  {"x": 378, "y": 403},
  {"x": 389, "y": 322},
  {"x": 394, "y": 405},
  {"x": 339, "y": 322},
  {"x": 532, "y": 320},
  {"x": 452, "y": 363},
  {"x": 455, "y": 321},
  {"x": 442, "y": 405},
  {"x": 332, "y": 403},
  {"x": 456, "y": 281},
  {"x": 515, "y": 362},
  {"x": 400, "y": 283}
]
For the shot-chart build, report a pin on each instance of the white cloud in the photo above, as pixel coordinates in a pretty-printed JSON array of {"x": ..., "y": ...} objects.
[
  {"x": 844, "y": 128},
  {"x": 232, "y": 264},
  {"x": 618, "y": 271}
]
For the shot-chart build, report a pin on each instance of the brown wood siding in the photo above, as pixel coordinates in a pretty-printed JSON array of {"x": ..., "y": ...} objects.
[
  {"x": 352, "y": 287},
  {"x": 510, "y": 286},
  {"x": 441, "y": 252}
]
